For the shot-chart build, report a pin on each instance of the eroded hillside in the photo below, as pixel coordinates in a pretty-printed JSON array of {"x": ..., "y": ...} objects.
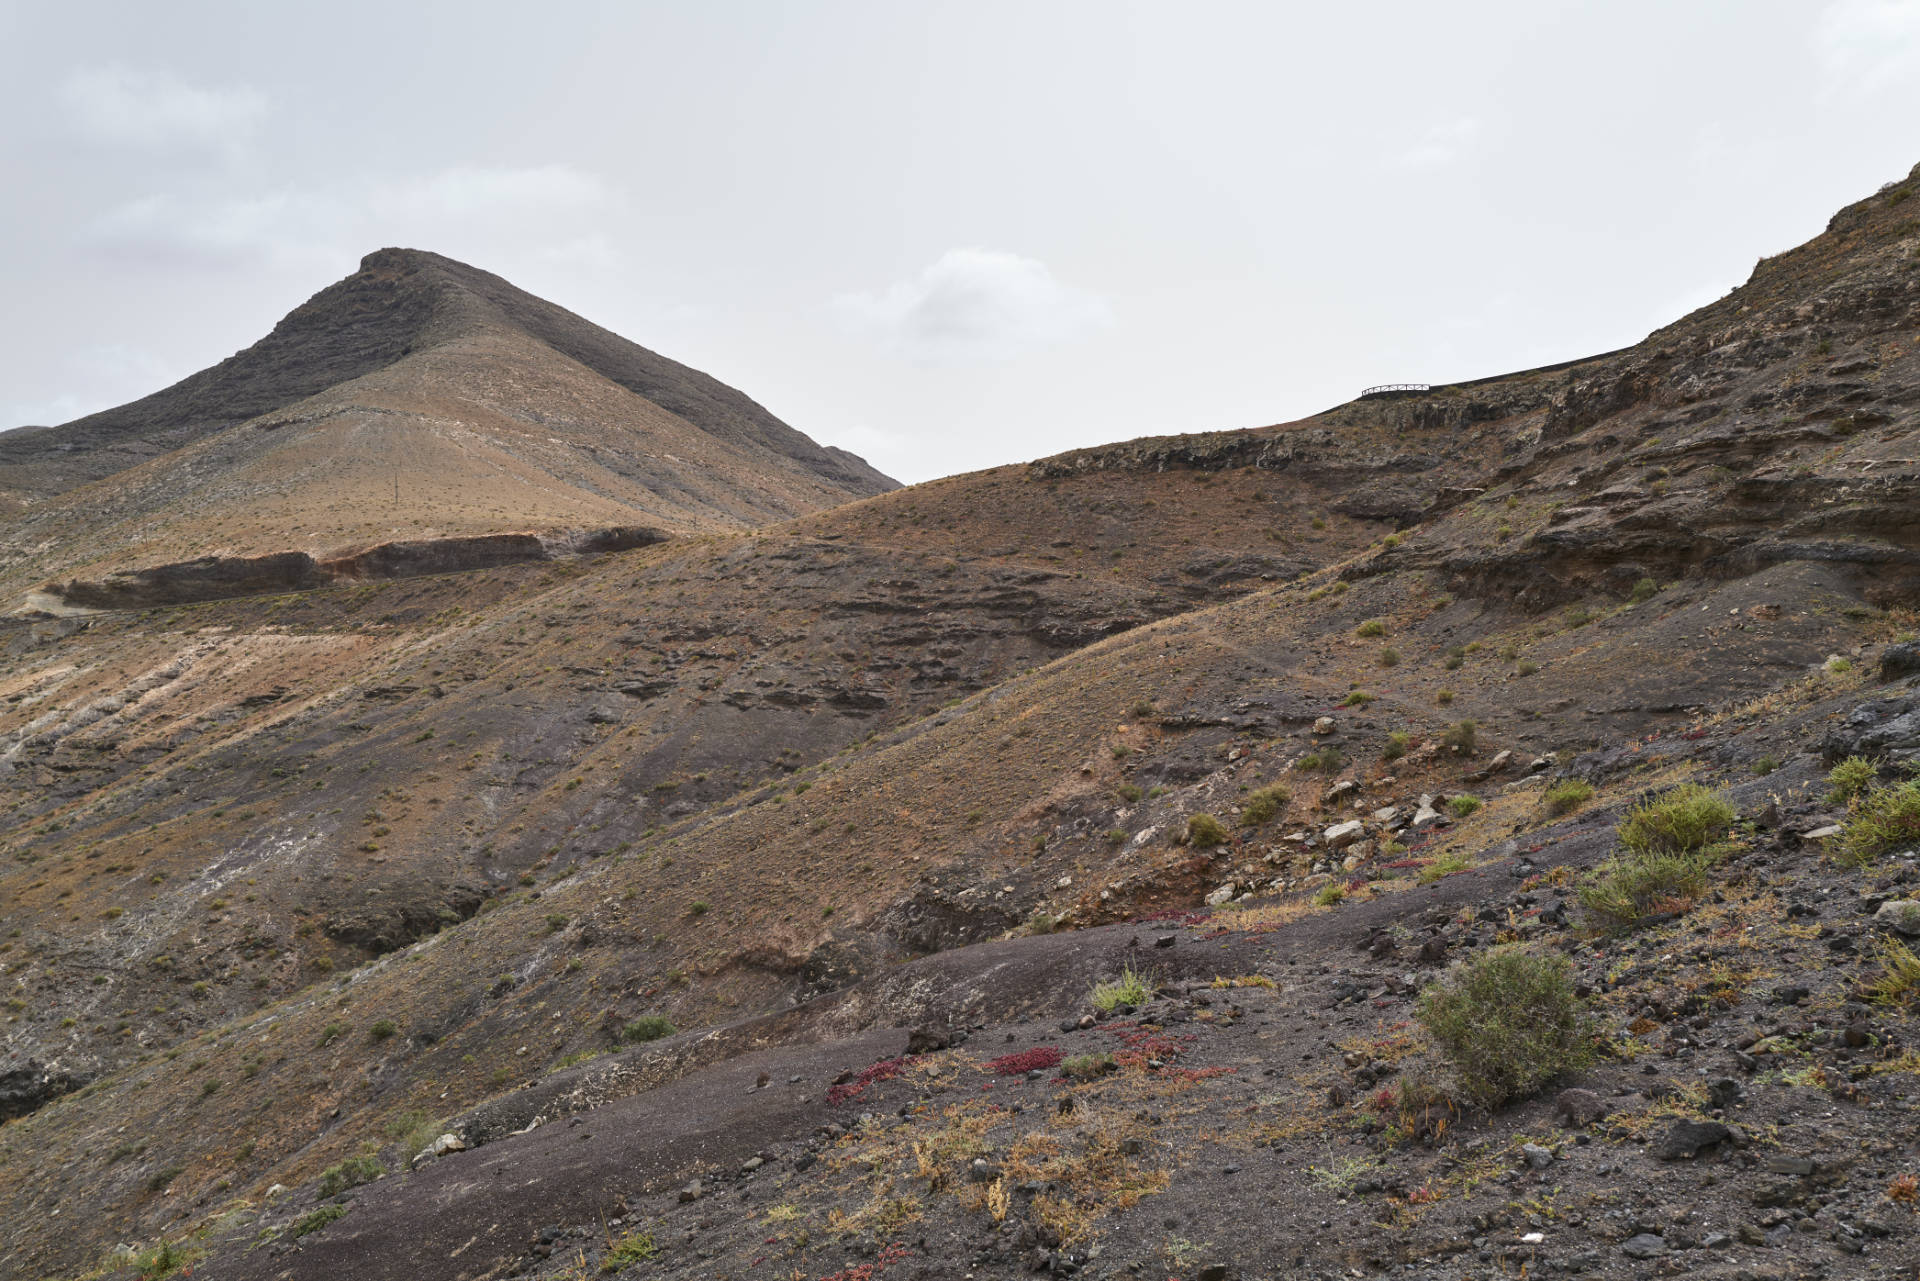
[{"x": 321, "y": 870}]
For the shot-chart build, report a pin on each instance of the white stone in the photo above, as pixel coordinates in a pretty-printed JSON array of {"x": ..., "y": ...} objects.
[
  {"x": 1341, "y": 835},
  {"x": 1324, "y": 725},
  {"x": 1220, "y": 896}
]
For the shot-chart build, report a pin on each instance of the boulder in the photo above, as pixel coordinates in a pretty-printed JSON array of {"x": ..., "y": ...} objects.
[
  {"x": 1902, "y": 915},
  {"x": 1324, "y": 725},
  {"x": 1900, "y": 660},
  {"x": 1221, "y": 895},
  {"x": 1341, "y": 835},
  {"x": 1687, "y": 1138}
]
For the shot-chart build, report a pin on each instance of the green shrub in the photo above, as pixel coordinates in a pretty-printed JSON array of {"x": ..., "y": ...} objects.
[
  {"x": 1264, "y": 804},
  {"x": 350, "y": 1173},
  {"x": 1356, "y": 698},
  {"x": 1444, "y": 697},
  {"x": 1085, "y": 1067},
  {"x": 1388, "y": 657},
  {"x": 1129, "y": 793},
  {"x": 413, "y": 1130},
  {"x": 1838, "y": 666},
  {"x": 1324, "y": 759},
  {"x": 383, "y": 1029},
  {"x": 1463, "y": 805},
  {"x": 1689, "y": 817},
  {"x": 1568, "y": 795},
  {"x": 1328, "y": 895},
  {"x": 699, "y": 907},
  {"x": 1116, "y": 836},
  {"x": 1142, "y": 708},
  {"x": 1765, "y": 765},
  {"x": 1204, "y": 831},
  {"x": 1636, "y": 884},
  {"x": 1131, "y": 988},
  {"x": 648, "y": 1027},
  {"x": 1526, "y": 667},
  {"x": 1396, "y": 745},
  {"x": 1644, "y": 590},
  {"x": 1444, "y": 866},
  {"x": 1883, "y": 820},
  {"x": 1579, "y": 616},
  {"x": 164, "y": 1259},
  {"x": 634, "y": 1247},
  {"x": 1371, "y": 628},
  {"x": 331, "y": 1032},
  {"x": 1461, "y": 736},
  {"x": 318, "y": 1219},
  {"x": 1850, "y": 778},
  {"x": 1508, "y": 1022}
]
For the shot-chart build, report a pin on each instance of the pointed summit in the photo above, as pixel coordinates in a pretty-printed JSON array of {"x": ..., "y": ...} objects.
[{"x": 419, "y": 398}]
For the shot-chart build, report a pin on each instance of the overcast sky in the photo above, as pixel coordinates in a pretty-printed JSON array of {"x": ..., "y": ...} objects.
[{"x": 943, "y": 235}]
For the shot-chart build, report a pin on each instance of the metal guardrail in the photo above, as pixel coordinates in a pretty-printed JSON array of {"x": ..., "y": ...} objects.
[{"x": 1384, "y": 388}]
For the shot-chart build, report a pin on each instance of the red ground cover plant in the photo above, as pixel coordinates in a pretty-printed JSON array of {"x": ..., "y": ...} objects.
[
  {"x": 884, "y": 1070},
  {"x": 1040, "y": 1058}
]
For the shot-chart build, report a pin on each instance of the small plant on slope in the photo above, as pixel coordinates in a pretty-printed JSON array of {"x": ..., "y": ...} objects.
[
  {"x": 1131, "y": 988},
  {"x": 1883, "y": 820},
  {"x": 1508, "y": 1022}
]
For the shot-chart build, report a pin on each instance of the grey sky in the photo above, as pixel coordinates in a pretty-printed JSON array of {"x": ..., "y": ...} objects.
[{"x": 942, "y": 235}]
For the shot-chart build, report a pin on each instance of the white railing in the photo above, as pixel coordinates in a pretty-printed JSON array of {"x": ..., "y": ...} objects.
[{"x": 1387, "y": 387}]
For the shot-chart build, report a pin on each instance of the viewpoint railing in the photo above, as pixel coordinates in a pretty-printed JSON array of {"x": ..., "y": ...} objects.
[{"x": 1385, "y": 389}]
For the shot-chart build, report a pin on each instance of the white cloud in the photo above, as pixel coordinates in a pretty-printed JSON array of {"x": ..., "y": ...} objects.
[
  {"x": 156, "y": 111},
  {"x": 975, "y": 304},
  {"x": 1865, "y": 44},
  {"x": 540, "y": 208},
  {"x": 1438, "y": 146}
]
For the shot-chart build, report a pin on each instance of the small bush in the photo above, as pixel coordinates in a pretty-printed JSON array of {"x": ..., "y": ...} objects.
[
  {"x": 1526, "y": 667},
  {"x": 1579, "y": 616},
  {"x": 1328, "y": 895},
  {"x": 383, "y": 1029},
  {"x": 1116, "y": 836},
  {"x": 1765, "y": 765},
  {"x": 318, "y": 1219},
  {"x": 1129, "y": 793},
  {"x": 1396, "y": 745},
  {"x": 1371, "y": 628},
  {"x": 1461, "y": 736},
  {"x": 634, "y": 1247},
  {"x": 1444, "y": 866},
  {"x": 1644, "y": 590},
  {"x": 1883, "y": 820},
  {"x": 1632, "y": 886},
  {"x": 1850, "y": 778},
  {"x": 164, "y": 1259},
  {"x": 1838, "y": 666},
  {"x": 1444, "y": 697},
  {"x": 1264, "y": 804},
  {"x": 1899, "y": 981},
  {"x": 350, "y": 1173},
  {"x": 331, "y": 1032},
  {"x": 1356, "y": 698},
  {"x": 1388, "y": 657},
  {"x": 1508, "y": 1022},
  {"x": 1131, "y": 988},
  {"x": 1204, "y": 831},
  {"x": 1142, "y": 708},
  {"x": 648, "y": 1027},
  {"x": 1463, "y": 806},
  {"x": 1325, "y": 760},
  {"x": 1568, "y": 795},
  {"x": 699, "y": 907},
  {"x": 1689, "y": 817},
  {"x": 1086, "y": 1067}
]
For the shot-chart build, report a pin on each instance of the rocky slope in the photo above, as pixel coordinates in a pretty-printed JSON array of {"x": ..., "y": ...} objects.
[{"x": 329, "y": 872}]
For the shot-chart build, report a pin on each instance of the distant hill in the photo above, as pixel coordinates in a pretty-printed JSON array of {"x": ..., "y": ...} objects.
[{"x": 419, "y": 398}]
